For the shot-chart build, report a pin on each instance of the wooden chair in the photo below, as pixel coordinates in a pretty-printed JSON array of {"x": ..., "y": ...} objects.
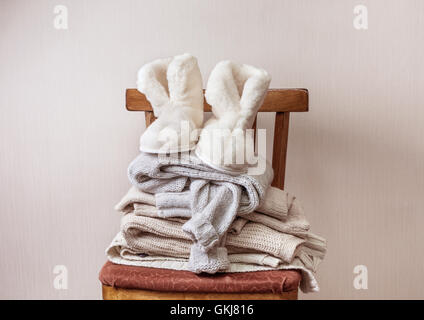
[{"x": 280, "y": 101}]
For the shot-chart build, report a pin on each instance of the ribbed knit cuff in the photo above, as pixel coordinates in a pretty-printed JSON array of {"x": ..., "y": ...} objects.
[
  {"x": 202, "y": 232},
  {"x": 211, "y": 262}
]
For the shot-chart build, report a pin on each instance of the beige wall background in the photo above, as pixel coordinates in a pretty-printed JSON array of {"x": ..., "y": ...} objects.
[{"x": 355, "y": 160}]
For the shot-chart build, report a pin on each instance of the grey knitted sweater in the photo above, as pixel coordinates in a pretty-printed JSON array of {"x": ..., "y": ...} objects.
[{"x": 215, "y": 199}]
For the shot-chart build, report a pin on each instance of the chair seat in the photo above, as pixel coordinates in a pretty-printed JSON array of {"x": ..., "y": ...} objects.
[{"x": 166, "y": 280}]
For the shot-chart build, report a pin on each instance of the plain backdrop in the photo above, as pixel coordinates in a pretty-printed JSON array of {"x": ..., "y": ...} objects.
[{"x": 355, "y": 160}]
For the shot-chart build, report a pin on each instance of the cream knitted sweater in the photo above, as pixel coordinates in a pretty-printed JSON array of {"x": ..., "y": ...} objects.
[
  {"x": 165, "y": 237},
  {"x": 280, "y": 211},
  {"x": 306, "y": 259},
  {"x": 276, "y": 237},
  {"x": 276, "y": 203}
]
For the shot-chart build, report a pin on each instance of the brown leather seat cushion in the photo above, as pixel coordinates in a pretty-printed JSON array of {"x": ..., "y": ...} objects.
[{"x": 130, "y": 277}]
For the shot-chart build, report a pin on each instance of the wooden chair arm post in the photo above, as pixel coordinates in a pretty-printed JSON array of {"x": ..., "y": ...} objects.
[{"x": 279, "y": 155}]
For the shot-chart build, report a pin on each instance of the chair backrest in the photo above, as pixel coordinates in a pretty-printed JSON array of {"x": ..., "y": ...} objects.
[{"x": 280, "y": 101}]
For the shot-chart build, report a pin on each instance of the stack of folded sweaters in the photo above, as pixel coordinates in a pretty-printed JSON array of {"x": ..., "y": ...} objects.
[{"x": 186, "y": 212}]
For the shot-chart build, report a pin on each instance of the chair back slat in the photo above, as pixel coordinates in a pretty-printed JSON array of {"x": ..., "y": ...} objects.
[
  {"x": 277, "y": 100},
  {"x": 280, "y": 101}
]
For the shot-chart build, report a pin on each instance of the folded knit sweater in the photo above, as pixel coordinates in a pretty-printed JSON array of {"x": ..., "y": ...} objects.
[
  {"x": 276, "y": 203},
  {"x": 215, "y": 198},
  {"x": 279, "y": 211},
  {"x": 162, "y": 236},
  {"x": 154, "y": 242}
]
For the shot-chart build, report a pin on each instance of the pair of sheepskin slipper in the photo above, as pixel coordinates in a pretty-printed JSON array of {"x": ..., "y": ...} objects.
[{"x": 174, "y": 88}]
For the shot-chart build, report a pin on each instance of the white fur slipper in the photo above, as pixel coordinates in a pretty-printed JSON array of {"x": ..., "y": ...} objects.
[
  {"x": 235, "y": 92},
  {"x": 174, "y": 88}
]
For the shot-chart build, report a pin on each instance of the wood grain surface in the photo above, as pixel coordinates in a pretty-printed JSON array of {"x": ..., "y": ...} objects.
[
  {"x": 111, "y": 293},
  {"x": 277, "y": 100}
]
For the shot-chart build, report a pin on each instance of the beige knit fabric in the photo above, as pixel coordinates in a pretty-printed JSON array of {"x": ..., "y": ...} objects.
[
  {"x": 158, "y": 236},
  {"x": 294, "y": 222},
  {"x": 121, "y": 247},
  {"x": 280, "y": 211},
  {"x": 119, "y": 252},
  {"x": 237, "y": 225},
  {"x": 276, "y": 236},
  {"x": 134, "y": 196},
  {"x": 276, "y": 203}
]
